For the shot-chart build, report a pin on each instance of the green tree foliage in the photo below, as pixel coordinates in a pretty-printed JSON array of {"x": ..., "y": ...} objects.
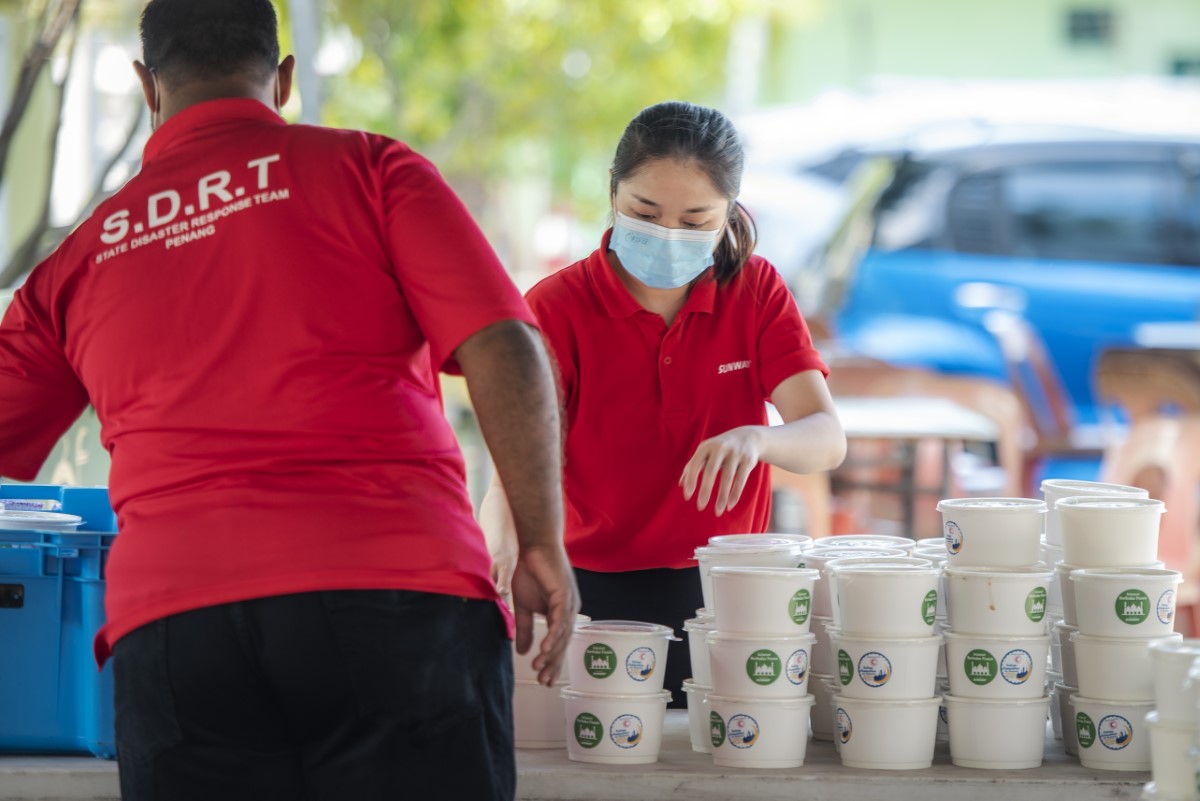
[{"x": 470, "y": 82}]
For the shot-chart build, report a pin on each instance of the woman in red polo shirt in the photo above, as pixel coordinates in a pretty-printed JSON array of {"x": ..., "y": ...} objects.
[{"x": 669, "y": 339}]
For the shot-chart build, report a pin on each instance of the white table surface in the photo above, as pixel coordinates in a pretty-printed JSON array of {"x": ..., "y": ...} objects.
[{"x": 907, "y": 418}]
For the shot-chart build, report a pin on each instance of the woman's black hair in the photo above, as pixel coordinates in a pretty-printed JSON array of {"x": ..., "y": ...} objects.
[
  {"x": 689, "y": 133},
  {"x": 188, "y": 40}
]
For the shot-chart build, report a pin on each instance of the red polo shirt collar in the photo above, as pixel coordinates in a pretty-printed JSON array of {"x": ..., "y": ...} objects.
[
  {"x": 193, "y": 119},
  {"x": 617, "y": 300}
]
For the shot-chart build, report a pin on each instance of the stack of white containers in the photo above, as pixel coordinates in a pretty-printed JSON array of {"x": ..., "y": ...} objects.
[
  {"x": 997, "y": 647},
  {"x": 615, "y": 704},
  {"x": 727, "y": 550},
  {"x": 1063, "y": 676},
  {"x": 934, "y": 549},
  {"x": 538, "y": 715},
  {"x": 885, "y": 709},
  {"x": 1122, "y": 603},
  {"x": 1173, "y": 724}
]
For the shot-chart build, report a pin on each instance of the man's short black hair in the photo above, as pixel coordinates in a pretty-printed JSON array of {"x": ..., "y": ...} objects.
[{"x": 202, "y": 40}]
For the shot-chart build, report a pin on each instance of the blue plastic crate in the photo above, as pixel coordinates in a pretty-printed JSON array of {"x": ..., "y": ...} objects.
[{"x": 52, "y": 697}]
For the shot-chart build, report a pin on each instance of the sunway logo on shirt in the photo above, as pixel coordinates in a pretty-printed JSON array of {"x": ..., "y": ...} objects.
[
  {"x": 164, "y": 223},
  {"x": 732, "y": 366}
]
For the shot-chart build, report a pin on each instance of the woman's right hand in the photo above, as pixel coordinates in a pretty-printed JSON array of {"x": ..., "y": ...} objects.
[{"x": 500, "y": 534}]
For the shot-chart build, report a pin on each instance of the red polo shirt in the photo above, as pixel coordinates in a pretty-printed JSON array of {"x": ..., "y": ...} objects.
[
  {"x": 640, "y": 397},
  {"x": 254, "y": 317}
]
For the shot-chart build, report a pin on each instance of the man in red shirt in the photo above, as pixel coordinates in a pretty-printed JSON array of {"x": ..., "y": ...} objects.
[{"x": 299, "y": 601}]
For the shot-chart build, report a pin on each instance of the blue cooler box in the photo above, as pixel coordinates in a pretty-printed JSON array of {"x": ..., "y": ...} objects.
[{"x": 52, "y": 697}]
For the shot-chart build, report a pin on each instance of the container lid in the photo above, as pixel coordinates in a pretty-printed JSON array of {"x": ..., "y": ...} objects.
[
  {"x": 630, "y": 627},
  {"x": 1109, "y": 503},
  {"x": 926, "y": 639},
  {"x": 661, "y": 697},
  {"x": 1122, "y": 573},
  {"x": 845, "y": 543},
  {"x": 700, "y": 624},
  {"x": 690, "y": 686},
  {"x": 1025, "y": 571},
  {"x": 768, "y": 545},
  {"x": 721, "y": 540},
  {"x": 993, "y": 504},
  {"x": 877, "y": 568},
  {"x": 23, "y": 519},
  {"x": 846, "y": 553},
  {"x": 998, "y": 637},
  {"x": 1146, "y": 642},
  {"x": 773, "y": 572},
  {"x": 784, "y": 703},
  {"x": 881, "y": 562},
  {"x": 845, "y": 700},
  {"x": 1044, "y": 700},
  {"x": 1092, "y": 487},
  {"x": 729, "y": 636}
]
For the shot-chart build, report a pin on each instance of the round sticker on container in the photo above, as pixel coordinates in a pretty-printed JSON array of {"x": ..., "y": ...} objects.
[
  {"x": 599, "y": 660},
  {"x": 626, "y": 731},
  {"x": 1086, "y": 730},
  {"x": 1115, "y": 732},
  {"x": 640, "y": 664},
  {"x": 716, "y": 729},
  {"x": 1133, "y": 607},
  {"x": 874, "y": 669},
  {"x": 1035, "y": 604},
  {"x": 929, "y": 607},
  {"x": 845, "y": 727},
  {"x": 797, "y": 666},
  {"x": 845, "y": 668},
  {"x": 798, "y": 607},
  {"x": 587, "y": 730},
  {"x": 764, "y": 666},
  {"x": 1165, "y": 608},
  {"x": 743, "y": 731},
  {"x": 980, "y": 667},
  {"x": 954, "y": 537},
  {"x": 1016, "y": 666}
]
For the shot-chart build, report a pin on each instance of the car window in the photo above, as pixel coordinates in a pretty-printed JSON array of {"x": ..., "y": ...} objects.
[
  {"x": 909, "y": 213},
  {"x": 1092, "y": 211}
]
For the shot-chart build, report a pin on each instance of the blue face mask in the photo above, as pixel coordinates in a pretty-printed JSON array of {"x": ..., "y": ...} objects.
[{"x": 663, "y": 258}]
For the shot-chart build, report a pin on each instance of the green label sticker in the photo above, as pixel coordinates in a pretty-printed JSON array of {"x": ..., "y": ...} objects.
[
  {"x": 929, "y": 607},
  {"x": 1035, "y": 604},
  {"x": 798, "y": 607},
  {"x": 588, "y": 730},
  {"x": 1086, "y": 729},
  {"x": 764, "y": 666},
  {"x": 599, "y": 660},
  {"x": 980, "y": 667},
  {"x": 845, "y": 667},
  {"x": 1133, "y": 606},
  {"x": 717, "y": 727}
]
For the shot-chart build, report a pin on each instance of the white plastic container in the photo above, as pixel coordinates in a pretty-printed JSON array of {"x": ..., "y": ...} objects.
[
  {"x": 763, "y": 600},
  {"x": 1062, "y": 697},
  {"x": 997, "y": 734},
  {"x": 1175, "y": 694},
  {"x": 941, "y": 627},
  {"x": 1051, "y": 556},
  {"x": 614, "y": 729},
  {"x": 995, "y": 667},
  {"x": 1055, "y": 711},
  {"x": 43, "y": 521},
  {"x": 697, "y": 710},
  {"x": 1066, "y": 587},
  {"x": 822, "y": 690},
  {"x": 992, "y": 532},
  {"x": 885, "y": 735},
  {"x": 884, "y": 600},
  {"x": 868, "y": 541},
  {"x": 697, "y": 630},
  {"x": 1100, "y": 531},
  {"x": 1170, "y": 756},
  {"x": 774, "y": 552},
  {"x": 752, "y": 539},
  {"x": 758, "y": 666},
  {"x": 993, "y": 600},
  {"x": 818, "y": 557},
  {"x": 1066, "y": 662},
  {"x": 932, "y": 543},
  {"x": 822, "y": 655},
  {"x": 1116, "y": 669},
  {"x": 1112, "y": 735},
  {"x": 1125, "y": 601},
  {"x": 759, "y": 733},
  {"x": 523, "y": 665},
  {"x": 538, "y": 716},
  {"x": 618, "y": 657},
  {"x": 884, "y": 669},
  {"x": 1055, "y": 489}
]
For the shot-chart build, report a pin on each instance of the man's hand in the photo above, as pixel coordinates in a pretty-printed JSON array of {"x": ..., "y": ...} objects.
[{"x": 544, "y": 583}]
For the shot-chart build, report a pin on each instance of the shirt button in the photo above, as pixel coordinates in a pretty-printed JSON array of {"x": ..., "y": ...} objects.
[{"x": 667, "y": 360}]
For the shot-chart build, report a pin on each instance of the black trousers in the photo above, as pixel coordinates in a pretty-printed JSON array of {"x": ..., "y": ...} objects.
[
  {"x": 664, "y": 595},
  {"x": 329, "y": 695}
]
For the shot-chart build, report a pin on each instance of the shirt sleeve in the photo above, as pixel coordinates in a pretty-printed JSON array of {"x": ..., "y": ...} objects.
[
  {"x": 40, "y": 395},
  {"x": 451, "y": 278},
  {"x": 785, "y": 346}
]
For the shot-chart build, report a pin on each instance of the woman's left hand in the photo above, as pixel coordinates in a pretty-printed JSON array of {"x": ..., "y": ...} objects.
[{"x": 729, "y": 457}]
